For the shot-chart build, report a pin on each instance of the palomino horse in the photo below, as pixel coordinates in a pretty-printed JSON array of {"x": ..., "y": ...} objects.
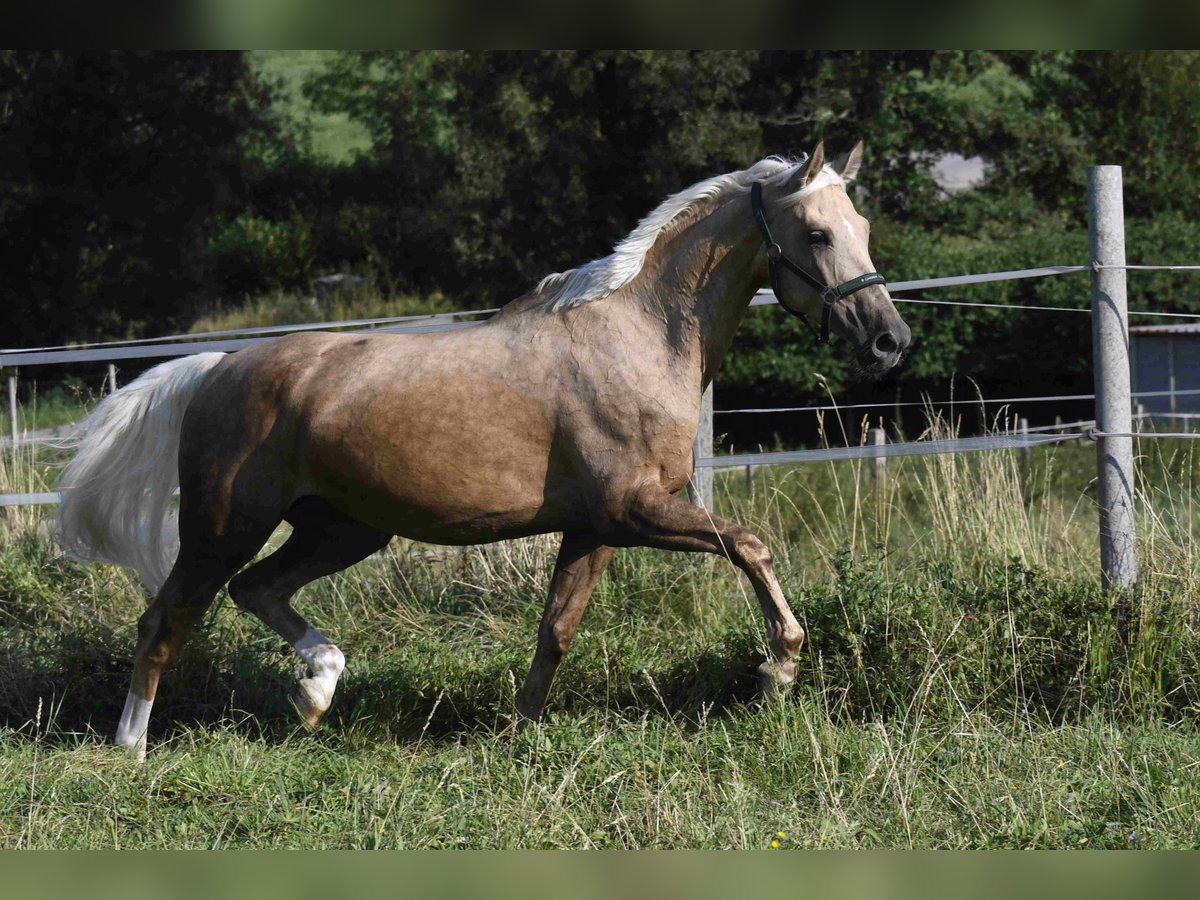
[{"x": 573, "y": 410}]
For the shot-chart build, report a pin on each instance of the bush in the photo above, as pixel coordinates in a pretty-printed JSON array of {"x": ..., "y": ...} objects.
[{"x": 252, "y": 255}]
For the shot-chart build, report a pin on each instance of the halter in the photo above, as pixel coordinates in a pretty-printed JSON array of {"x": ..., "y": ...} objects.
[{"x": 830, "y": 294}]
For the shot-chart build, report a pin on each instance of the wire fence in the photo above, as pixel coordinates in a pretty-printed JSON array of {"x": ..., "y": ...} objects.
[
  {"x": 951, "y": 402},
  {"x": 231, "y": 340},
  {"x": 1015, "y": 441},
  {"x": 236, "y": 339}
]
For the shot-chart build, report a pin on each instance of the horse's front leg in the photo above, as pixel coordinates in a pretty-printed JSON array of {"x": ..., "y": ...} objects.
[
  {"x": 581, "y": 562},
  {"x": 658, "y": 519}
]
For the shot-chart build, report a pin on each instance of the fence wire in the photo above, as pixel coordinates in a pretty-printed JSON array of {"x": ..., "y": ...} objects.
[
  {"x": 236, "y": 339},
  {"x": 185, "y": 344},
  {"x": 974, "y": 401},
  {"x": 1024, "y": 441}
]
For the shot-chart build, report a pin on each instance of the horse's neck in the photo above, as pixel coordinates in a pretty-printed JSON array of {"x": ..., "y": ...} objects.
[{"x": 699, "y": 282}]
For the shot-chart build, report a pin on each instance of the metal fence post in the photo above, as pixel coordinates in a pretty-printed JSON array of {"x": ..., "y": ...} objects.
[
  {"x": 1110, "y": 344},
  {"x": 700, "y": 488},
  {"x": 111, "y": 379}
]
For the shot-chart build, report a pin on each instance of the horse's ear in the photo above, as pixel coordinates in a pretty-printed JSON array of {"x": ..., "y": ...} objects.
[
  {"x": 816, "y": 162},
  {"x": 847, "y": 165},
  {"x": 810, "y": 170}
]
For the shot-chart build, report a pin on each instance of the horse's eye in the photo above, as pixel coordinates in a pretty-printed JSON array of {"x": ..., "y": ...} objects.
[{"x": 818, "y": 237}]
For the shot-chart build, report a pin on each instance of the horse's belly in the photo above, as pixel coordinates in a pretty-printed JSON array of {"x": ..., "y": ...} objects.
[
  {"x": 445, "y": 471},
  {"x": 433, "y": 527},
  {"x": 432, "y": 504}
]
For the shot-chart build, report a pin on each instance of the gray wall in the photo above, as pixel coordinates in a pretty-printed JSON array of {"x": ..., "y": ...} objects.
[{"x": 1155, "y": 358}]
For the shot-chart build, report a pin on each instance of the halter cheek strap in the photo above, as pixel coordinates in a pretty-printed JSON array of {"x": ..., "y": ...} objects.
[{"x": 830, "y": 294}]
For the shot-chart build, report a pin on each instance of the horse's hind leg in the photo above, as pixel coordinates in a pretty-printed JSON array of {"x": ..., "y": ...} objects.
[
  {"x": 323, "y": 541},
  {"x": 581, "y": 562},
  {"x": 202, "y": 567}
]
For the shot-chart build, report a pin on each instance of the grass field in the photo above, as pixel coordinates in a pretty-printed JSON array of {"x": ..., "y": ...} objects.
[{"x": 965, "y": 684}]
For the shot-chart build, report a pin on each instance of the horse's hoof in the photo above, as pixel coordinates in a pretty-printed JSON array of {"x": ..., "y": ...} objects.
[
  {"x": 774, "y": 679},
  {"x": 523, "y": 719},
  {"x": 134, "y": 749},
  {"x": 308, "y": 706},
  {"x": 136, "y": 752}
]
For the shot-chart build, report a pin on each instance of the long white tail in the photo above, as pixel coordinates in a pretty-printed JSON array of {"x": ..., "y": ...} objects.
[{"x": 117, "y": 490}]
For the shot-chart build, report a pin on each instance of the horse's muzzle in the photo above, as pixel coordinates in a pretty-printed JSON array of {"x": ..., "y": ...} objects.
[
  {"x": 878, "y": 355},
  {"x": 889, "y": 345}
]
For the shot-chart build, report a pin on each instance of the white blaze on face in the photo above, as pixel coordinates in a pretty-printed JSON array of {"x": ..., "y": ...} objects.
[
  {"x": 855, "y": 257},
  {"x": 852, "y": 235}
]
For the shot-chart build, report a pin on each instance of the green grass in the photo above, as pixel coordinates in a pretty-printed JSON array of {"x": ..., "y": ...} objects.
[
  {"x": 965, "y": 684},
  {"x": 294, "y": 309},
  {"x": 59, "y": 405}
]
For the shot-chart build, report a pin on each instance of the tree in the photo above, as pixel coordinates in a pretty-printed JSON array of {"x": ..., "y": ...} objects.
[{"x": 113, "y": 165}]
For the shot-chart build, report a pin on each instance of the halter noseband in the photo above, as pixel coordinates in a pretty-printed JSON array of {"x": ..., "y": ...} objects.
[{"x": 830, "y": 294}]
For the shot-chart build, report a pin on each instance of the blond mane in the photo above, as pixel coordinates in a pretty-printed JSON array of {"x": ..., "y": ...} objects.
[{"x": 601, "y": 277}]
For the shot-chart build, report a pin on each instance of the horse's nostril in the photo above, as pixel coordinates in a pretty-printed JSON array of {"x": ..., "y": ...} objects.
[{"x": 885, "y": 344}]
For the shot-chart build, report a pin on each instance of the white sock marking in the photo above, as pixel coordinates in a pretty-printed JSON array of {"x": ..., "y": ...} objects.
[
  {"x": 135, "y": 722},
  {"x": 325, "y": 663}
]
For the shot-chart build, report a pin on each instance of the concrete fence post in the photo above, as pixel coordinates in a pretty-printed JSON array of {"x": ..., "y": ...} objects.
[
  {"x": 12, "y": 409},
  {"x": 1110, "y": 345},
  {"x": 877, "y": 437},
  {"x": 700, "y": 488}
]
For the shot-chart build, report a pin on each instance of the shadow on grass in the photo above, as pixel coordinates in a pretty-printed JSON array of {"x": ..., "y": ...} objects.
[{"x": 76, "y": 685}]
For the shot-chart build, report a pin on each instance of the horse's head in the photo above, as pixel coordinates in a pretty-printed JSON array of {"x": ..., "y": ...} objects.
[{"x": 822, "y": 268}]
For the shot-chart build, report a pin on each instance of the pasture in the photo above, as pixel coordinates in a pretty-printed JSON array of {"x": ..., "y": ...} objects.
[{"x": 964, "y": 683}]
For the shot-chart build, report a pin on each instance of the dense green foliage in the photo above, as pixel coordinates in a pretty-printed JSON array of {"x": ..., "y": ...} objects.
[
  {"x": 141, "y": 189},
  {"x": 113, "y": 167}
]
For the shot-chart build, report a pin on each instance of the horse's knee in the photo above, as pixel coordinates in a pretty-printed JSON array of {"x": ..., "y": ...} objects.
[
  {"x": 561, "y": 635},
  {"x": 154, "y": 637},
  {"x": 751, "y": 554},
  {"x": 554, "y": 638}
]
